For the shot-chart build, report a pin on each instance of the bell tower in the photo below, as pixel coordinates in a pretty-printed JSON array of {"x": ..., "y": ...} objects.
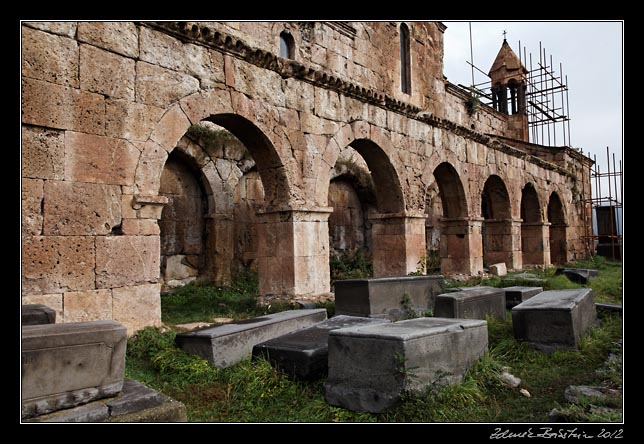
[{"x": 509, "y": 84}]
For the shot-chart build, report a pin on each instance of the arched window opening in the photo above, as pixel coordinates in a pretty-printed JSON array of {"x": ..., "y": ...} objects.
[
  {"x": 405, "y": 59},
  {"x": 287, "y": 45}
]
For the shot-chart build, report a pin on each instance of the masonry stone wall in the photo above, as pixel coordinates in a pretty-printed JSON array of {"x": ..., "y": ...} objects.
[{"x": 105, "y": 104}]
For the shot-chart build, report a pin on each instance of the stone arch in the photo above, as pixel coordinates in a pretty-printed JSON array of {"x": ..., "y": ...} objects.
[
  {"x": 451, "y": 191},
  {"x": 373, "y": 144},
  {"x": 250, "y": 123},
  {"x": 456, "y": 231},
  {"x": 257, "y": 126},
  {"x": 557, "y": 235},
  {"x": 534, "y": 240},
  {"x": 497, "y": 231}
]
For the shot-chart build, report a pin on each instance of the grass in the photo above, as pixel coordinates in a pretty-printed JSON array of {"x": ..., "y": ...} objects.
[{"x": 253, "y": 391}]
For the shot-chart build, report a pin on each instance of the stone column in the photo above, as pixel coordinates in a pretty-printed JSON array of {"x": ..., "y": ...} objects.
[
  {"x": 558, "y": 244},
  {"x": 219, "y": 248},
  {"x": 503, "y": 242},
  {"x": 535, "y": 247},
  {"x": 398, "y": 243},
  {"x": 461, "y": 245},
  {"x": 293, "y": 255}
]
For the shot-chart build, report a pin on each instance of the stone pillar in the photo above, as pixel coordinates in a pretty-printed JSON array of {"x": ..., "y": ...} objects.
[
  {"x": 461, "y": 245},
  {"x": 558, "y": 244},
  {"x": 220, "y": 248},
  {"x": 398, "y": 243},
  {"x": 293, "y": 255},
  {"x": 503, "y": 242},
  {"x": 535, "y": 247}
]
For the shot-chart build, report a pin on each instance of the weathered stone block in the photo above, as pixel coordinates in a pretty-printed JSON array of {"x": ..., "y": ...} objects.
[
  {"x": 171, "y": 128},
  {"x": 160, "y": 87},
  {"x": 579, "y": 275},
  {"x": 515, "y": 295},
  {"x": 53, "y": 264},
  {"x": 64, "y": 365},
  {"x": 555, "y": 319},
  {"x": 32, "y": 195},
  {"x": 140, "y": 227},
  {"x": 120, "y": 37},
  {"x": 49, "y": 57},
  {"x": 67, "y": 29},
  {"x": 36, "y": 314},
  {"x": 86, "y": 306},
  {"x": 74, "y": 208},
  {"x": 55, "y": 106},
  {"x": 471, "y": 303},
  {"x": 225, "y": 345},
  {"x": 106, "y": 73},
  {"x": 53, "y": 301},
  {"x": 392, "y": 297},
  {"x": 498, "y": 269},
  {"x": 99, "y": 159},
  {"x": 129, "y": 120},
  {"x": 304, "y": 354},
  {"x": 135, "y": 403},
  {"x": 126, "y": 260},
  {"x": 137, "y": 307},
  {"x": 43, "y": 153},
  {"x": 161, "y": 49},
  {"x": 370, "y": 367}
]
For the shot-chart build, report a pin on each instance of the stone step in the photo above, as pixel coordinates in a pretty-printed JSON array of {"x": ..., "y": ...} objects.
[
  {"x": 135, "y": 403},
  {"x": 555, "y": 319},
  {"x": 371, "y": 366},
  {"x": 226, "y": 345},
  {"x": 37, "y": 314},
  {"x": 517, "y": 294},
  {"x": 387, "y": 297},
  {"x": 471, "y": 303},
  {"x": 64, "y": 365},
  {"x": 304, "y": 353}
]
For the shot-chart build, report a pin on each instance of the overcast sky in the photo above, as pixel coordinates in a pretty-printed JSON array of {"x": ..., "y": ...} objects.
[{"x": 592, "y": 58}]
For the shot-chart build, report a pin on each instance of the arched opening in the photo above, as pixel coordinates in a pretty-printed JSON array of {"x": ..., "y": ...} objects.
[
  {"x": 558, "y": 245},
  {"x": 532, "y": 238},
  {"x": 182, "y": 225},
  {"x": 454, "y": 226},
  {"x": 405, "y": 59},
  {"x": 352, "y": 196},
  {"x": 287, "y": 45},
  {"x": 496, "y": 230}
]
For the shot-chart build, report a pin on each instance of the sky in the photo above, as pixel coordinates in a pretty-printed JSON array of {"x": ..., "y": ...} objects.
[{"x": 592, "y": 58}]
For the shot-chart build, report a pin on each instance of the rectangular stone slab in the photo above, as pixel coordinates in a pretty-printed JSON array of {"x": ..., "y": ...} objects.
[
  {"x": 64, "y": 365},
  {"x": 371, "y": 366},
  {"x": 388, "y": 297},
  {"x": 515, "y": 295},
  {"x": 304, "y": 353},
  {"x": 471, "y": 303},
  {"x": 37, "y": 314},
  {"x": 555, "y": 319},
  {"x": 228, "y": 344}
]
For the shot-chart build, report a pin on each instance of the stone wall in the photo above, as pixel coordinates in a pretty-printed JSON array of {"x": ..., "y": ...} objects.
[{"x": 105, "y": 104}]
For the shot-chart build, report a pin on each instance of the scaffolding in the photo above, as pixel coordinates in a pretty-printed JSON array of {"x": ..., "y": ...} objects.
[
  {"x": 606, "y": 236},
  {"x": 546, "y": 98}
]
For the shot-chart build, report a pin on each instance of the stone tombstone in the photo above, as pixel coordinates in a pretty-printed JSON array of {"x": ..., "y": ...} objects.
[
  {"x": 472, "y": 303},
  {"x": 371, "y": 366},
  {"x": 393, "y": 298},
  {"x": 37, "y": 314},
  {"x": 517, "y": 294},
  {"x": 555, "y": 319},
  {"x": 226, "y": 345},
  {"x": 65, "y": 365},
  {"x": 304, "y": 354}
]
